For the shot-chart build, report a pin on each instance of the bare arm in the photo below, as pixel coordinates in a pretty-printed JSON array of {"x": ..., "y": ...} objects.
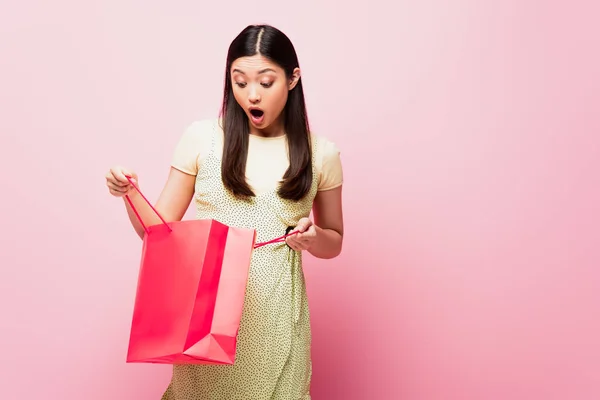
[
  {"x": 172, "y": 203},
  {"x": 329, "y": 224}
]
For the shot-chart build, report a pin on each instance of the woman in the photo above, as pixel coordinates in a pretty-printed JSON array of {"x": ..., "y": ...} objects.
[{"x": 258, "y": 166}]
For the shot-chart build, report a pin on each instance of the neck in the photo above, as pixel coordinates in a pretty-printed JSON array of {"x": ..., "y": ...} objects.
[{"x": 273, "y": 130}]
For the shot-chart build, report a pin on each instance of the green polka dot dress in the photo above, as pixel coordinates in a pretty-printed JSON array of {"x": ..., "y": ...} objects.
[{"x": 273, "y": 360}]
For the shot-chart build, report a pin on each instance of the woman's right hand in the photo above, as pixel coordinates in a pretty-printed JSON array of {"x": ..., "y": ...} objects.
[{"x": 117, "y": 183}]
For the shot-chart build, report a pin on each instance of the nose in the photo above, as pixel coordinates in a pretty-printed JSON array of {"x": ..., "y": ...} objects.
[{"x": 254, "y": 96}]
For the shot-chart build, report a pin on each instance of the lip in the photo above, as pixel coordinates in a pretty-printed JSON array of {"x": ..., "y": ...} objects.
[{"x": 255, "y": 120}]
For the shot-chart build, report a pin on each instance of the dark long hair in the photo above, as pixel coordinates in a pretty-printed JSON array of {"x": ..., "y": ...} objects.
[{"x": 277, "y": 47}]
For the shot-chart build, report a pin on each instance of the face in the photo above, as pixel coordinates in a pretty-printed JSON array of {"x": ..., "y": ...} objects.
[{"x": 261, "y": 88}]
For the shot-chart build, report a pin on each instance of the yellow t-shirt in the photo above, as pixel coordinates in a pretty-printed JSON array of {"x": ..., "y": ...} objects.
[{"x": 267, "y": 157}]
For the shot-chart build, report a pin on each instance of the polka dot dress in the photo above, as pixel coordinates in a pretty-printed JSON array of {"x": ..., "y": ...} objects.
[{"x": 273, "y": 351}]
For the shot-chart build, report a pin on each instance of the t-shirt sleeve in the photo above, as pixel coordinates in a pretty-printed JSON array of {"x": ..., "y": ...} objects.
[
  {"x": 190, "y": 147},
  {"x": 331, "y": 167}
]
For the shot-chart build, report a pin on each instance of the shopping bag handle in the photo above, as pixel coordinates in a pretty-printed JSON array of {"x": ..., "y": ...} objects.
[
  {"x": 257, "y": 245},
  {"x": 276, "y": 240},
  {"x": 148, "y": 202}
]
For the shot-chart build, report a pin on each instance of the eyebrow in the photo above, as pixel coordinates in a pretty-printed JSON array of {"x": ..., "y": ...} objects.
[{"x": 262, "y": 71}]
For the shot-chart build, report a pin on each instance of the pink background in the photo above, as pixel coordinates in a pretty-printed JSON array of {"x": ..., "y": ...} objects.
[{"x": 471, "y": 146}]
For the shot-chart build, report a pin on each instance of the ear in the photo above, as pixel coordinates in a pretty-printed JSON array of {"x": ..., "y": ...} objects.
[{"x": 294, "y": 79}]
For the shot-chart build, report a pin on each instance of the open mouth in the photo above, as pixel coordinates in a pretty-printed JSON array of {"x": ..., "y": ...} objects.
[{"x": 256, "y": 113}]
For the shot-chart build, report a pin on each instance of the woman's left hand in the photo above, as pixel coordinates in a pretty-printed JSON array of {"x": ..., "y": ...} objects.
[{"x": 306, "y": 236}]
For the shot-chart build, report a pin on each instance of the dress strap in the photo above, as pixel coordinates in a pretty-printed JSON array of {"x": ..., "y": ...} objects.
[{"x": 213, "y": 136}]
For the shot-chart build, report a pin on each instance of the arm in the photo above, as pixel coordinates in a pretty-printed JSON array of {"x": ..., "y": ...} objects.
[
  {"x": 178, "y": 191},
  {"x": 172, "y": 203},
  {"x": 324, "y": 237},
  {"x": 329, "y": 224}
]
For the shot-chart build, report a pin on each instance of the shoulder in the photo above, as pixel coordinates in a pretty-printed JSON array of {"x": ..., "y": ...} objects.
[
  {"x": 194, "y": 145},
  {"x": 201, "y": 130},
  {"x": 324, "y": 148},
  {"x": 200, "y": 135},
  {"x": 328, "y": 162}
]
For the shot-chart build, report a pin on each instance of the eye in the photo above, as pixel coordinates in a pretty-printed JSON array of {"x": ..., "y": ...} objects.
[
  {"x": 241, "y": 84},
  {"x": 267, "y": 84}
]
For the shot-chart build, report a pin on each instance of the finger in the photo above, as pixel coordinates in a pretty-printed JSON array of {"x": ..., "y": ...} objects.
[
  {"x": 292, "y": 242},
  {"x": 132, "y": 175},
  {"x": 299, "y": 238},
  {"x": 116, "y": 193},
  {"x": 117, "y": 187},
  {"x": 300, "y": 243},
  {"x": 303, "y": 225},
  {"x": 292, "y": 235},
  {"x": 296, "y": 247},
  {"x": 306, "y": 225},
  {"x": 110, "y": 178},
  {"x": 299, "y": 227},
  {"x": 117, "y": 183},
  {"x": 307, "y": 235},
  {"x": 119, "y": 176},
  {"x": 311, "y": 232}
]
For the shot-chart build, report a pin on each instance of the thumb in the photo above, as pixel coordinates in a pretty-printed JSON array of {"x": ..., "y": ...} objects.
[
  {"x": 303, "y": 225},
  {"x": 132, "y": 175}
]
